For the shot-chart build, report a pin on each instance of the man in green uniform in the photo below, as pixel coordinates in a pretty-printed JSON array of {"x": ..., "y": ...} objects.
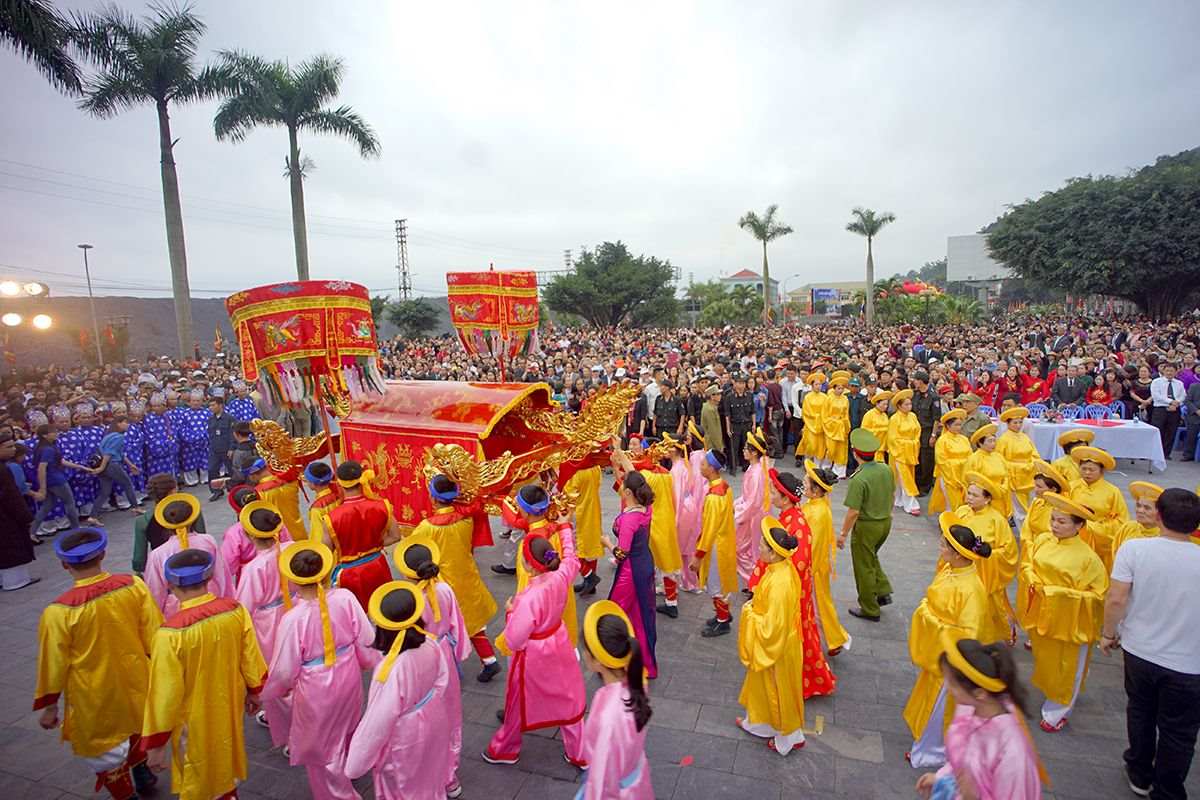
[
  {"x": 976, "y": 419},
  {"x": 869, "y": 495},
  {"x": 710, "y": 421}
]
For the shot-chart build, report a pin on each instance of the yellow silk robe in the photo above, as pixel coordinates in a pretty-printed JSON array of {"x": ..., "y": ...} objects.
[
  {"x": 718, "y": 541},
  {"x": 204, "y": 662},
  {"x": 1066, "y": 583},
  {"x": 570, "y": 616},
  {"x": 835, "y": 423},
  {"x": 824, "y": 558},
  {"x": 586, "y": 484},
  {"x": 286, "y": 498},
  {"x": 904, "y": 445},
  {"x": 94, "y": 646},
  {"x": 1108, "y": 504},
  {"x": 458, "y": 566},
  {"x": 1037, "y": 522},
  {"x": 664, "y": 539},
  {"x": 770, "y": 647},
  {"x": 812, "y": 437},
  {"x": 1018, "y": 452},
  {"x": 1067, "y": 467},
  {"x": 995, "y": 572},
  {"x": 993, "y": 467},
  {"x": 877, "y": 423},
  {"x": 955, "y": 599},
  {"x": 950, "y": 454},
  {"x": 318, "y": 514}
]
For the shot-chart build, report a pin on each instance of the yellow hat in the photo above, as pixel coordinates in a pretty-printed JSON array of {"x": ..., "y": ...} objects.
[
  {"x": 840, "y": 374},
  {"x": 766, "y": 525},
  {"x": 839, "y": 380},
  {"x": 813, "y": 378},
  {"x": 983, "y": 482},
  {"x": 757, "y": 440},
  {"x": 248, "y": 524},
  {"x": 953, "y": 414},
  {"x": 1045, "y": 468},
  {"x": 900, "y": 396},
  {"x": 1067, "y": 505},
  {"x": 949, "y": 639},
  {"x": 375, "y": 611},
  {"x": 811, "y": 472},
  {"x": 983, "y": 432},
  {"x": 176, "y": 512},
  {"x": 591, "y": 623},
  {"x": 880, "y": 396},
  {"x": 327, "y": 562},
  {"x": 672, "y": 441},
  {"x": 695, "y": 432},
  {"x": 428, "y": 585},
  {"x": 948, "y": 520},
  {"x": 1093, "y": 454},
  {"x": 1081, "y": 435},
  {"x": 1144, "y": 490},
  {"x": 1016, "y": 412}
]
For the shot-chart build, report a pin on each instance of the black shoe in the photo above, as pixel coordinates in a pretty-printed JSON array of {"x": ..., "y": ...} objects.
[
  {"x": 720, "y": 629},
  {"x": 500, "y": 569},
  {"x": 711, "y": 622},
  {"x": 217, "y": 494},
  {"x": 587, "y": 585},
  {"x": 144, "y": 778},
  {"x": 884, "y": 599},
  {"x": 670, "y": 611},
  {"x": 500, "y": 715},
  {"x": 488, "y": 672},
  {"x": 858, "y": 612},
  {"x": 1139, "y": 790}
]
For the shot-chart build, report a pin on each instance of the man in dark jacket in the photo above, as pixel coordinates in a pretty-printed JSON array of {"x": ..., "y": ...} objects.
[
  {"x": 670, "y": 413},
  {"x": 220, "y": 445},
  {"x": 927, "y": 407}
]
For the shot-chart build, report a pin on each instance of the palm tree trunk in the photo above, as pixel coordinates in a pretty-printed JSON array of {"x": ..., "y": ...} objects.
[
  {"x": 176, "y": 249},
  {"x": 766, "y": 276},
  {"x": 299, "y": 227},
  {"x": 870, "y": 304}
]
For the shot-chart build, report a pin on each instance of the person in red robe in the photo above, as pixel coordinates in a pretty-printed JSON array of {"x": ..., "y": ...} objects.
[{"x": 358, "y": 530}]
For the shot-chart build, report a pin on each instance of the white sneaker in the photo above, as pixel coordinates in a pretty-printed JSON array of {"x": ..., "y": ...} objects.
[{"x": 261, "y": 719}]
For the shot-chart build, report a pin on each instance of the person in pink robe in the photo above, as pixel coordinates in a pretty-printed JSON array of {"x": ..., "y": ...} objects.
[
  {"x": 989, "y": 753},
  {"x": 545, "y": 687},
  {"x": 750, "y": 509},
  {"x": 176, "y": 512},
  {"x": 695, "y": 506},
  {"x": 687, "y": 518},
  {"x": 263, "y": 592},
  {"x": 237, "y": 549},
  {"x": 323, "y": 645},
  {"x": 417, "y": 558},
  {"x": 404, "y": 736},
  {"x": 614, "y": 733}
]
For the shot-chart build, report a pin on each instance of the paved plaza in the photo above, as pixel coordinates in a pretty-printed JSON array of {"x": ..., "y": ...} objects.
[{"x": 856, "y": 748}]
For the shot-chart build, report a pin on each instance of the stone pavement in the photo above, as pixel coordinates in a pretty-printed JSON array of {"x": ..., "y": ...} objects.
[{"x": 693, "y": 747}]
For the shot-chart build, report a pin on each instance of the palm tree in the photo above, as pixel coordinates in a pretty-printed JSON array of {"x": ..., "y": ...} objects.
[
  {"x": 36, "y": 31},
  {"x": 766, "y": 229},
  {"x": 151, "y": 60},
  {"x": 272, "y": 93},
  {"x": 867, "y": 223}
]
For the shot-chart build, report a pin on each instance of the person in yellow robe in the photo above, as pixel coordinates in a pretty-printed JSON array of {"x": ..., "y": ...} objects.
[
  {"x": 1144, "y": 524},
  {"x": 876, "y": 421},
  {"x": 835, "y": 423},
  {"x": 950, "y": 453},
  {"x": 904, "y": 447},
  {"x": 1045, "y": 479},
  {"x": 452, "y": 531},
  {"x": 981, "y": 516},
  {"x": 812, "y": 413},
  {"x": 1069, "y": 441},
  {"x": 205, "y": 668},
  {"x": 1067, "y": 583},
  {"x": 715, "y": 559},
  {"x": 283, "y": 494},
  {"x": 770, "y": 646},
  {"x": 584, "y": 483},
  {"x": 819, "y": 516},
  {"x": 94, "y": 646},
  {"x": 1104, "y": 500},
  {"x": 986, "y": 461},
  {"x": 954, "y": 600},
  {"x": 319, "y": 478},
  {"x": 1019, "y": 453}
]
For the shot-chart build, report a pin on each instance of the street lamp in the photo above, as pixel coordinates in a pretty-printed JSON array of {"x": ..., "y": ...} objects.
[
  {"x": 92, "y": 302},
  {"x": 42, "y": 321},
  {"x": 783, "y": 290}
]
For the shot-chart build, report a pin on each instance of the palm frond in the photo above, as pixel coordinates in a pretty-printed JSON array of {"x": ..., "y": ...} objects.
[
  {"x": 106, "y": 37},
  {"x": 317, "y": 80},
  {"x": 764, "y": 228},
  {"x": 345, "y": 122},
  {"x": 108, "y": 94},
  {"x": 39, "y": 35},
  {"x": 238, "y": 115},
  {"x": 210, "y": 82}
]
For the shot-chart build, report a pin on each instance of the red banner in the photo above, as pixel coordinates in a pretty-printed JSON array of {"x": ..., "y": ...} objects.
[{"x": 493, "y": 312}]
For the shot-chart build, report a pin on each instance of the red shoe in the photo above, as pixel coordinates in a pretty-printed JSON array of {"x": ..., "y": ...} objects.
[
  {"x": 1048, "y": 728},
  {"x": 908, "y": 756},
  {"x": 837, "y": 651},
  {"x": 577, "y": 764},
  {"x": 771, "y": 745}
]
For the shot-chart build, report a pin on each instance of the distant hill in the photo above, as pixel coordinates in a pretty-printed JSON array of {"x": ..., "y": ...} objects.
[{"x": 151, "y": 326}]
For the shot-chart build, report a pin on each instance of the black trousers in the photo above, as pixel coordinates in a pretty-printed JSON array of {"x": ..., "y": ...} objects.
[
  {"x": 1162, "y": 717},
  {"x": 924, "y": 471},
  {"x": 1189, "y": 438},
  {"x": 215, "y": 462},
  {"x": 1167, "y": 422},
  {"x": 737, "y": 443}
]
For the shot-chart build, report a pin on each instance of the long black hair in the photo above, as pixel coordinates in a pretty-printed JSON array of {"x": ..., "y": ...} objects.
[
  {"x": 635, "y": 482},
  {"x": 420, "y": 560},
  {"x": 967, "y": 538},
  {"x": 398, "y": 605},
  {"x": 994, "y": 660},
  {"x": 615, "y": 639}
]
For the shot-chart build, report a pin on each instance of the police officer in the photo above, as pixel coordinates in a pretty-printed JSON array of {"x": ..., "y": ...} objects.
[
  {"x": 670, "y": 412},
  {"x": 739, "y": 419},
  {"x": 868, "y": 521}
]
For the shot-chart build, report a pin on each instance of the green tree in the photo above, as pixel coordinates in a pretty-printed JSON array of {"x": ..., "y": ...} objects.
[
  {"x": 40, "y": 35},
  {"x": 867, "y": 223},
  {"x": 961, "y": 310},
  {"x": 267, "y": 93},
  {"x": 379, "y": 304},
  {"x": 765, "y": 229},
  {"x": 1136, "y": 237},
  {"x": 611, "y": 287},
  {"x": 151, "y": 61},
  {"x": 414, "y": 317},
  {"x": 739, "y": 306}
]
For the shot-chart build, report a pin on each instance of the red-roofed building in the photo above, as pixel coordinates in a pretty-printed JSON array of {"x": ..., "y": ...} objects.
[{"x": 748, "y": 277}]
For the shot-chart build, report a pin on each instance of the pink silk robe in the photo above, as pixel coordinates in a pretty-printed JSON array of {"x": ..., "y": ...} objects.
[
  {"x": 404, "y": 735},
  {"x": 326, "y": 701},
  {"x": 451, "y": 633},
  {"x": 687, "y": 515},
  {"x": 996, "y": 753},
  {"x": 749, "y": 511},
  {"x": 615, "y": 750},
  {"x": 258, "y": 592},
  {"x": 221, "y": 583},
  {"x": 237, "y": 549}
]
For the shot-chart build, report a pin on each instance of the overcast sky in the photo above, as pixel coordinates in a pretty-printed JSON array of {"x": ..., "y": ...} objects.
[{"x": 512, "y": 132}]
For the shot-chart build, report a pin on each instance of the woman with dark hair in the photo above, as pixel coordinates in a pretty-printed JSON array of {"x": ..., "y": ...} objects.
[
  {"x": 614, "y": 733},
  {"x": 633, "y": 584},
  {"x": 979, "y": 513},
  {"x": 989, "y": 753},
  {"x": 955, "y": 600}
]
